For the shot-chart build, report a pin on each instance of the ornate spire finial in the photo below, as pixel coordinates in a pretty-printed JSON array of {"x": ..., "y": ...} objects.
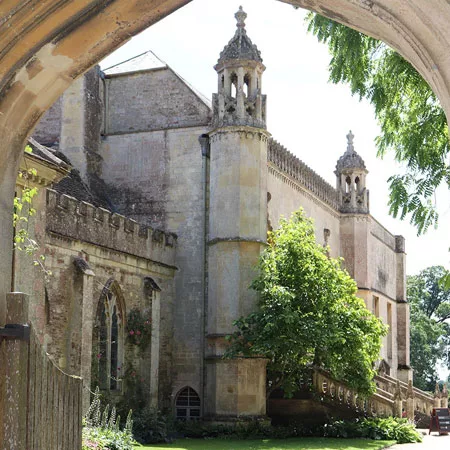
[
  {"x": 241, "y": 15},
  {"x": 350, "y": 137}
]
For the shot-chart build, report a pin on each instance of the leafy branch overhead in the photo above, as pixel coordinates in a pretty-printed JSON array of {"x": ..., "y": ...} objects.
[
  {"x": 413, "y": 124},
  {"x": 308, "y": 314}
]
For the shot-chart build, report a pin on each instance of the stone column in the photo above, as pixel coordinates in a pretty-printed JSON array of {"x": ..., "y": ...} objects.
[
  {"x": 404, "y": 372},
  {"x": 398, "y": 403},
  {"x": 437, "y": 397},
  {"x": 410, "y": 403},
  {"x": 237, "y": 235},
  {"x": 154, "y": 362},
  {"x": 87, "y": 318},
  {"x": 444, "y": 397}
]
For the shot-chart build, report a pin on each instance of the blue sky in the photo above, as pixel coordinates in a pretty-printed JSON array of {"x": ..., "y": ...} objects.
[{"x": 308, "y": 115}]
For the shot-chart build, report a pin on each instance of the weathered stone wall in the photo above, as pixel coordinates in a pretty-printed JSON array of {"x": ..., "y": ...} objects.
[
  {"x": 141, "y": 102},
  {"x": 382, "y": 260},
  {"x": 159, "y": 179},
  {"x": 48, "y": 130},
  {"x": 136, "y": 171},
  {"x": 116, "y": 256},
  {"x": 380, "y": 305},
  {"x": 288, "y": 195}
]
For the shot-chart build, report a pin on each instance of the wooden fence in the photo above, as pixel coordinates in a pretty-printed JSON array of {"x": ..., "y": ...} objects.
[{"x": 40, "y": 406}]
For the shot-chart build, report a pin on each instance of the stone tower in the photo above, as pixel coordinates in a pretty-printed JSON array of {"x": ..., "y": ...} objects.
[
  {"x": 354, "y": 205},
  {"x": 237, "y": 225},
  {"x": 351, "y": 181}
]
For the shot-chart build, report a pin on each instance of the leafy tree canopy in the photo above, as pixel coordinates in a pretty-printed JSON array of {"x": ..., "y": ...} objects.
[
  {"x": 430, "y": 311},
  {"x": 413, "y": 124},
  {"x": 308, "y": 314}
]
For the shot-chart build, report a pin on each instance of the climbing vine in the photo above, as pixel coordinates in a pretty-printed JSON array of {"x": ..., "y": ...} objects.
[
  {"x": 23, "y": 211},
  {"x": 139, "y": 329}
]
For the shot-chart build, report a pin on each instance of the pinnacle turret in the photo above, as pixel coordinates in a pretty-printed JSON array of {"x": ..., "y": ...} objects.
[
  {"x": 351, "y": 180},
  {"x": 239, "y": 100}
]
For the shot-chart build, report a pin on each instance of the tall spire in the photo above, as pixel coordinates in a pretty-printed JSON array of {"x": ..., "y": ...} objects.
[{"x": 240, "y": 45}]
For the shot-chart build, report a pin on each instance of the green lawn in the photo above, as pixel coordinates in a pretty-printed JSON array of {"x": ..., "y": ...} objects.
[{"x": 272, "y": 444}]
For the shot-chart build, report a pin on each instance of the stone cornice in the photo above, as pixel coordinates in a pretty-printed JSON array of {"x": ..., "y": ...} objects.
[
  {"x": 298, "y": 186},
  {"x": 223, "y": 133},
  {"x": 218, "y": 240},
  {"x": 297, "y": 170}
]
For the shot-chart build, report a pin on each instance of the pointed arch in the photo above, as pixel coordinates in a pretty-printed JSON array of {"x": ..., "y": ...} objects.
[
  {"x": 108, "y": 337},
  {"x": 187, "y": 404}
]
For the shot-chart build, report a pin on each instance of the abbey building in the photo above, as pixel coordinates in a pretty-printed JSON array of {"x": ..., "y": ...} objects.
[{"x": 153, "y": 235}]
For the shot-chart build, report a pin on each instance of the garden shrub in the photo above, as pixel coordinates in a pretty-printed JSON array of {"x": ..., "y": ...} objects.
[
  {"x": 101, "y": 430},
  {"x": 389, "y": 428},
  {"x": 151, "y": 426}
]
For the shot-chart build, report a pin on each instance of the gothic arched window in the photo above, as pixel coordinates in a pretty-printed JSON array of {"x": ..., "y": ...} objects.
[
  {"x": 187, "y": 405},
  {"x": 108, "y": 338}
]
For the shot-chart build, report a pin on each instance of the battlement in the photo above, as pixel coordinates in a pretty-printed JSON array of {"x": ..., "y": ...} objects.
[
  {"x": 75, "y": 219},
  {"x": 288, "y": 163}
]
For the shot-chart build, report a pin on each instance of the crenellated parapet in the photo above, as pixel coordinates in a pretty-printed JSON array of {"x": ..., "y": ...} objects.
[
  {"x": 288, "y": 163},
  {"x": 74, "y": 219}
]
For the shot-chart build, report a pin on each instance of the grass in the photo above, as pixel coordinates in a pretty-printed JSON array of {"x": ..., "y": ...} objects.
[{"x": 272, "y": 444}]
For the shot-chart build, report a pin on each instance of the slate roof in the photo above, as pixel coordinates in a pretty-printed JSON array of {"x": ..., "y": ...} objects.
[
  {"x": 74, "y": 186},
  {"x": 48, "y": 155},
  {"x": 145, "y": 61},
  {"x": 240, "y": 45}
]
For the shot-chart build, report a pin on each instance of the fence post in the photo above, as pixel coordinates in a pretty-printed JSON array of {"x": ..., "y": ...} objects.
[{"x": 14, "y": 375}]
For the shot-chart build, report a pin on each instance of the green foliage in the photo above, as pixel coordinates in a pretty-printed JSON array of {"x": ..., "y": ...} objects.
[
  {"x": 413, "y": 124},
  {"x": 389, "y": 428},
  {"x": 23, "y": 211},
  {"x": 216, "y": 435},
  {"x": 308, "y": 314},
  {"x": 430, "y": 332},
  {"x": 139, "y": 329},
  {"x": 101, "y": 428},
  {"x": 151, "y": 426}
]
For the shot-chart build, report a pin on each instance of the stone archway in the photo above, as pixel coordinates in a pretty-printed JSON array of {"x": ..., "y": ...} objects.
[{"x": 46, "y": 44}]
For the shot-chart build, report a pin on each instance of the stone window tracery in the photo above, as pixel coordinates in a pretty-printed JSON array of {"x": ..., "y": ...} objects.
[
  {"x": 108, "y": 338},
  {"x": 187, "y": 405}
]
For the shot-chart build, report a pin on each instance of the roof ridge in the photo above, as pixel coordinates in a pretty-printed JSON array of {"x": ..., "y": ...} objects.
[{"x": 135, "y": 57}]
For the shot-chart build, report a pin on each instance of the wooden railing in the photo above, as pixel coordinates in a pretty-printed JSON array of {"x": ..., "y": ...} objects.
[
  {"x": 40, "y": 406},
  {"x": 392, "y": 397}
]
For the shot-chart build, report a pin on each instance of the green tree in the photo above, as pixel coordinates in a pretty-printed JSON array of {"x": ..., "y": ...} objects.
[
  {"x": 308, "y": 314},
  {"x": 430, "y": 311},
  {"x": 413, "y": 124}
]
